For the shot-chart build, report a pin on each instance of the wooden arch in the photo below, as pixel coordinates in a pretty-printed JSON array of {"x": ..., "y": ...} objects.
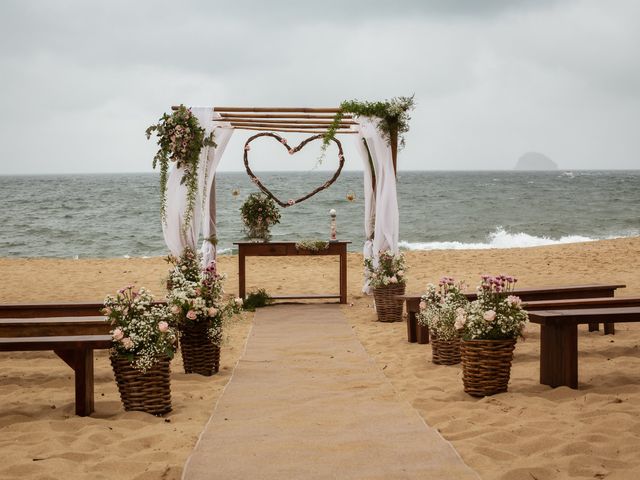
[{"x": 293, "y": 119}]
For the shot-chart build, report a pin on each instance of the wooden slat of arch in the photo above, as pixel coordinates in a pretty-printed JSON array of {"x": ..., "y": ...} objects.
[
  {"x": 318, "y": 116},
  {"x": 289, "y": 121},
  {"x": 277, "y": 109},
  {"x": 292, "y": 130},
  {"x": 284, "y": 125}
]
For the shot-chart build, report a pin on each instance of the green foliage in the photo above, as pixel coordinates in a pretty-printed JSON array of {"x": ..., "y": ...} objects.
[
  {"x": 393, "y": 115},
  {"x": 258, "y": 213},
  {"x": 180, "y": 140},
  {"x": 258, "y": 299},
  {"x": 312, "y": 245}
]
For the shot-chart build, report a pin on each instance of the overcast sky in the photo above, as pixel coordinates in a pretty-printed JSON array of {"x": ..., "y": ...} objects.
[{"x": 81, "y": 80}]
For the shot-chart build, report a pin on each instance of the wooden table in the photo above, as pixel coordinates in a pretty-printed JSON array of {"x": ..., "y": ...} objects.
[
  {"x": 286, "y": 249},
  {"x": 559, "y": 339},
  {"x": 417, "y": 333}
]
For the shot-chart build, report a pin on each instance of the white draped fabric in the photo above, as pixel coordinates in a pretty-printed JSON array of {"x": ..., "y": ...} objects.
[
  {"x": 383, "y": 205},
  {"x": 176, "y": 236}
]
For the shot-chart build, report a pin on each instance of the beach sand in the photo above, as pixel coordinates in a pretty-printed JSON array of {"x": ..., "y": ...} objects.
[{"x": 532, "y": 432}]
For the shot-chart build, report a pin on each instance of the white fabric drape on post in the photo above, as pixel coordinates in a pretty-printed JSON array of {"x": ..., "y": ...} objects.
[
  {"x": 222, "y": 136},
  {"x": 176, "y": 236},
  {"x": 383, "y": 206}
]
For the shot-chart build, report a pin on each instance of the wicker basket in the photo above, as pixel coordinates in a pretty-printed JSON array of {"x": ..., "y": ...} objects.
[
  {"x": 146, "y": 392},
  {"x": 445, "y": 352},
  {"x": 486, "y": 365},
  {"x": 199, "y": 355},
  {"x": 387, "y": 307}
]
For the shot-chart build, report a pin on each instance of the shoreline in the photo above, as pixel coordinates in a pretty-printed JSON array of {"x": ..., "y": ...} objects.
[{"x": 531, "y": 430}]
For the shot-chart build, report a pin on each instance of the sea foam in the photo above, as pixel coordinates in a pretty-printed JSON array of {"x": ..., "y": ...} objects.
[{"x": 498, "y": 239}]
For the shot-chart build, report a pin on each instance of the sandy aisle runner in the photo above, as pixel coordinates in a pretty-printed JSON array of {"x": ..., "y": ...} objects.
[{"x": 306, "y": 401}]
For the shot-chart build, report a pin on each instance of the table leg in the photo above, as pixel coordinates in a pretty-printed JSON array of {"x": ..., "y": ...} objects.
[
  {"x": 609, "y": 328},
  {"x": 422, "y": 333},
  {"x": 343, "y": 275},
  {"x": 241, "y": 273},
  {"x": 559, "y": 354},
  {"x": 594, "y": 327}
]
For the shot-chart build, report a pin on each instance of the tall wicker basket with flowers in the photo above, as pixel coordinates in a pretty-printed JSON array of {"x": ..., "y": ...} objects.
[
  {"x": 199, "y": 310},
  {"x": 143, "y": 346},
  {"x": 386, "y": 276},
  {"x": 442, "y": 309},
  {"x": 490, "y": 328}
]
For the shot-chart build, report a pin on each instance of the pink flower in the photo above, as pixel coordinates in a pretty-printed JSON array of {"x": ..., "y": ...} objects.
[
  {"x": 106, "y": 311},
  {"x": 291, "y": 151},
  {"x": 191, "y": 315},
  {"x": 175, "y": 309},
  {"x": 163, "y": 326},
  {"x": 212, "y": 311},
  {"x": 198, "y": 291},
  {"x": 514, "y": 301},
  {"x": 291, "y": 201},
  {"x": 239, "y": 301},
  {"x": 117, "y": 334},
  {"x": 489, "y": 315},
  {"x": 393, "y": 279},
  {"x": 283, "y": 141},
  {"x": 127, "y": 343},
  {"x": 423, "y": 305},
  {"x": 400, "y": 273},
  {"x": 247, "y": 148}
]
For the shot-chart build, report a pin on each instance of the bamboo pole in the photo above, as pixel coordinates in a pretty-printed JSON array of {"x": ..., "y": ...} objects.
[
  {"x": 283, "y": 125},
  {"x": 277, "y": 109},
  {"x": 289, "y": 121},
  {"x": 393, "y": 139},
  {"x": 262, "y": 129},
  {"x": 283, "y": 115}
]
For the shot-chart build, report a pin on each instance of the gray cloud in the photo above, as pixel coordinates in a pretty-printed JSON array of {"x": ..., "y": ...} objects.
[{"x": 81, "y": 80}]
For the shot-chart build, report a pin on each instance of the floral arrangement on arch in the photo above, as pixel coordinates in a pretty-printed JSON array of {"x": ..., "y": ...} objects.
[
  {"x": 259, "y": 212},
  {"x": 180, "y": 140},
  {"x": 200, "y": 300},
  {"x": 443, "y": 307},
  {"x": 141, "y": 331},
  {"x": 496, "y": 314},
  {"x": 390, "y": 269}
]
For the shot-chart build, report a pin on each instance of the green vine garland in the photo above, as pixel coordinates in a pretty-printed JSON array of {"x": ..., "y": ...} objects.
[
  {"x": 393, "y": 115},
  {"x": 180, "y": 138}
]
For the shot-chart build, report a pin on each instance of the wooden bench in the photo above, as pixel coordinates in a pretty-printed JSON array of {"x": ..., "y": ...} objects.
[
  {"x": 580, "y": 303},
  {"x": 559, "y": 339},
  {"x": 420, "y": 334},
  {"x": 71, "y": 330},
  {"x": 76, "y": 351}
]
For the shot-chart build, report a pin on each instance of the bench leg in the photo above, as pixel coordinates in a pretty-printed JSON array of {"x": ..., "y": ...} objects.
[
  {"x": 81, "y": 360},
  {"x": 422, "y": 333},
  {"x": 559, "y": 355},
  {"x": 609, "y": 328},
  {"x": 412, "y": 327},
  {"x": 594, "y": 327}
]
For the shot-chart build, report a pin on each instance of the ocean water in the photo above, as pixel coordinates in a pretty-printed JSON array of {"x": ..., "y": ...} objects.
[{"x": 117, "y": 215}]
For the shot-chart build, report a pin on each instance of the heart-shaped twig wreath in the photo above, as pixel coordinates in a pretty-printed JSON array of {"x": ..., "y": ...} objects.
[{"x": 283, "y": 141}]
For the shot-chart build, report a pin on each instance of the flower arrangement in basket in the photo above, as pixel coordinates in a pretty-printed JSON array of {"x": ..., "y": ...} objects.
[
  {"x": 200, "y": 312},
  {"x": 442, "y": 309},
  {"x": 143, "y": 346},
  {"x": 490, "y": 328},
  {"x": 258, "y": 213},
  {"x": 387, "y": 277}
]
